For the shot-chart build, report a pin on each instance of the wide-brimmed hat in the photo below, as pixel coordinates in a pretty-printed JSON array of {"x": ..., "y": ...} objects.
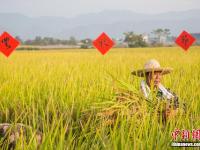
[{"x": 152, "y": 66}]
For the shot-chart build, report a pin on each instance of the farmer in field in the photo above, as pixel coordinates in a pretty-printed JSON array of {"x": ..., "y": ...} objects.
[{"x": 153, "y": 73}]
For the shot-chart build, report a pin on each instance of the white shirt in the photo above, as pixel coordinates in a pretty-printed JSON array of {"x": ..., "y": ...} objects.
[{"x": 146, "y": 90}]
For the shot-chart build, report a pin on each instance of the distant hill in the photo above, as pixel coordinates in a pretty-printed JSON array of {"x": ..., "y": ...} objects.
[{"x": 91, "y": 25}]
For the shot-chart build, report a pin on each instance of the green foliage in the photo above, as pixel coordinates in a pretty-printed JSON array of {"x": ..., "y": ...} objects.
[{"x": 134, "y": 40}]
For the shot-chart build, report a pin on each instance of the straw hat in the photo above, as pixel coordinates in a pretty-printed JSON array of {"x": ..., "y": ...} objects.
[{"x": 150, "y": 66}]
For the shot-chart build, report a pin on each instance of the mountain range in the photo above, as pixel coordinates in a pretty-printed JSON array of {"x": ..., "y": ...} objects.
[{"x": 113, "y": 22}]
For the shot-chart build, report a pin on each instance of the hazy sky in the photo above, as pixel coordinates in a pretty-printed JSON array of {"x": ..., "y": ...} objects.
[{"x": 70, "y": 8}]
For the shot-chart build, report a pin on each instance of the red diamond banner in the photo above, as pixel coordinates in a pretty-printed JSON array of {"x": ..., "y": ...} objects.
[
  {"x": 185, "y": 40},
  {"x": 7, "y": 44},
  {"x": 103, "y": 43}
]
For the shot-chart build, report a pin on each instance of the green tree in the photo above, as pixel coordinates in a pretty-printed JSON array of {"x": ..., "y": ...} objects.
[
  {"x": 161, "y": 33},
  {"x": 38, "y": 40},
  {"x": 167, "y": 32},
  {"x": 134, "y": 40},
  {"x": 86, "y": 43},
  {"x": 72, "y": 41}
]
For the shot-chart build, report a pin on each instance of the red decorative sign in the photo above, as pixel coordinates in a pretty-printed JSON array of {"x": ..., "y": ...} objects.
[
  {"x": 7, "y": 44},
  {"x": 185, "y": 40},
  {"x": 103, "y": 43}
]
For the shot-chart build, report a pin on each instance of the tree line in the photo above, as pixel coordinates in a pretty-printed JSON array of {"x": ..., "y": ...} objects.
[
  {"x": 47, "y": 41},
  {"x": 130, "y": 38}
]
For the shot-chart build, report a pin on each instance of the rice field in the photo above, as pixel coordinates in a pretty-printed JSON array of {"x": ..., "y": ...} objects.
[{"x": 70, "y": 97}]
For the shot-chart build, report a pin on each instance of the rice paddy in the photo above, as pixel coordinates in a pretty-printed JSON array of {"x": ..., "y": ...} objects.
[{"x": 70, "y": 96}]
